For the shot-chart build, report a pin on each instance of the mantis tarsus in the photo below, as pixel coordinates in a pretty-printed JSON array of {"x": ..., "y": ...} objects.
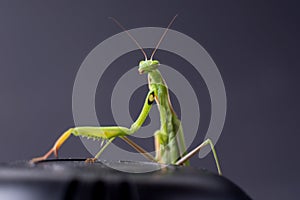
[{"x": 169, "y": 141}]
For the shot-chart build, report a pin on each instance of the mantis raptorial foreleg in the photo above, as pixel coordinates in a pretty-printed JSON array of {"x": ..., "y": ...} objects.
[
  {"x": 56, "y": 146},
  {"x": 105, "y": 133}
]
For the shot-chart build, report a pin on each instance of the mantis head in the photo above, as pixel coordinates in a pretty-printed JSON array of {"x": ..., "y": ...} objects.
[{"x": 147, "y": 66}]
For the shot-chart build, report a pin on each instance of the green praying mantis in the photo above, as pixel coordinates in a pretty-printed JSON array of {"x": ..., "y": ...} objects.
[{"x": 169, "y": 142}]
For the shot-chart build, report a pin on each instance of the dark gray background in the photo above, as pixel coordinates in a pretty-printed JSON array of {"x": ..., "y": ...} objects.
[{"x": 254, "y": 44}]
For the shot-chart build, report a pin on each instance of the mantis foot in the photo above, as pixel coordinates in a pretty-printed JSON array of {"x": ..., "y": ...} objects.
[{"x": 90, "y": 160}]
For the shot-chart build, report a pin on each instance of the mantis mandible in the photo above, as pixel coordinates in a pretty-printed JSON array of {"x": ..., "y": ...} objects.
[{"x": 169, "y": 140}]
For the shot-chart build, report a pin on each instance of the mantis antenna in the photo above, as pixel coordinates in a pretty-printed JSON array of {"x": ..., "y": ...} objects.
[
  {"x": 162, "y": 37},
  {"x": 134, "y": 40}
]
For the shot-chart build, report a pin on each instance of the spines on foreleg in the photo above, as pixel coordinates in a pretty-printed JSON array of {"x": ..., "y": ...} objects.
[{"x": 101, "y": 132}]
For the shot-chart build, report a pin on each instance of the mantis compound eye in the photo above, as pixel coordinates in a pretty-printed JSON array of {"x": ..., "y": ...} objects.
[
  {"x": 141, "y": 62},
  {"x": 155, "y": 62}
]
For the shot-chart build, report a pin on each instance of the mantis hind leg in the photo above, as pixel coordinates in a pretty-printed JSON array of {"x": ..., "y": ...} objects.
[
  {"x": 197, "y": 149},
  {"x": 139, "y": 149}
]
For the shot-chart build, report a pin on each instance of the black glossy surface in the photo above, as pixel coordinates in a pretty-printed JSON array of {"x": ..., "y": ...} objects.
[{"x": 74, "y": 179}]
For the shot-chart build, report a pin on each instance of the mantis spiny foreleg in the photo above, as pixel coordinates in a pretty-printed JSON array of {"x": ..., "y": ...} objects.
[{"x": 105, "y": 133}]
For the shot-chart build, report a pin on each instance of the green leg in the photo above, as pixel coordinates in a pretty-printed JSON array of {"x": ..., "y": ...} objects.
[
  {"x": 104, "y": 147},
  {"x": 197, "y": 149},
  {"x": 102, "y": 133},
  {"x": 106, "y": 133}
]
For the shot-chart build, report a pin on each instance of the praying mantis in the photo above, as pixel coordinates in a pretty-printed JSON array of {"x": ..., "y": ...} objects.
[{"x": 169, "y": 142}]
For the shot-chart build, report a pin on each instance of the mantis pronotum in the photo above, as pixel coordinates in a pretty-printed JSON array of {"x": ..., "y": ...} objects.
[{"x": 169, "y": 140}]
